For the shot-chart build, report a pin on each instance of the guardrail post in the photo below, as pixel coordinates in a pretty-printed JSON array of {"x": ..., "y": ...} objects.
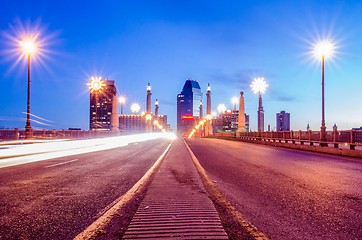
[{"x": 16, "y": 133}]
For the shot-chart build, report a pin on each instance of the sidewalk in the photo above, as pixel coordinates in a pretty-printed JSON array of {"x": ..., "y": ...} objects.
[{"x": 176, "y": 204}]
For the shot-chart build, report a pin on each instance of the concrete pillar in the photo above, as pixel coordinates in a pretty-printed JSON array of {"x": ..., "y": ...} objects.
[
  {"x": 148, "y": 109},
  {"x": 208, "y": 127},
  {"x": 241, "y": 117},
  {"x": 201, "y": 113},
  {"x": 114, "y": 116}
]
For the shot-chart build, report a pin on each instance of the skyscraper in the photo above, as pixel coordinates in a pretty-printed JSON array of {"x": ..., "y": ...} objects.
[
  {"x": 188, "y": 106},
  {"x": 283, "y": 121},
  {"x": 102, "y": 107}
]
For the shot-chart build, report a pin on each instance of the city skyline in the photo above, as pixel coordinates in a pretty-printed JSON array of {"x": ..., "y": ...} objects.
[{"x": 226, "y": 45}]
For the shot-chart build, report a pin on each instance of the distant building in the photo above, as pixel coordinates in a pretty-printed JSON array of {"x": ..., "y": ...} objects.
[
  {"x": 247, "y": 126},
  {"x": 132, "y": 123},
  {"x": 188, "y": 106},
  {"x": 136, "y": 123},
  {"x": 283, "y": 121},
  {"x": 228, "y": 122},
  {"x": 101, "y": 107}
]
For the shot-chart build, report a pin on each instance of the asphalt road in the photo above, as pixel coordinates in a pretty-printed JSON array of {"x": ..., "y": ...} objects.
[
  {"x": 59, "y": 198},
  {"x": 287, "y": 194}
]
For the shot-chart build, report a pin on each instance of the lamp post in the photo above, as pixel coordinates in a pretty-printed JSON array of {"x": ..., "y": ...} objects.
[
  {"x": 259, "y": 86},
  {"x": 323, "y": 50},
  {"x": 122, "y": 101},
  {"x": 234, "y": 101},
  {"x": 28, "y": 47}
]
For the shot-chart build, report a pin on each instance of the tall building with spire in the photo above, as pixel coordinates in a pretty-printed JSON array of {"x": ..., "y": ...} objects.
[{"x": 188, "y": 106}]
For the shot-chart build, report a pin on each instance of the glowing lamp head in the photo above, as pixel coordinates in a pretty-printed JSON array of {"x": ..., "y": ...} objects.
[
  {"x": 28, "y": 46},
  {"x": 156, "y": 103},
  {"x": 259, "y": 85},
  {"x": 122, "y": 100},
  {"x": 155, "y": 122},
  {"x": 135, "y": 108},
  {"x": 234, "y": 100},
  {"x": 148, "y": 88},
  {"x": 148, "y": 116},
  {"x": 221, "y": 108},
  {"x": 324, "y": 49},
  {"x": 208, "y": 88}
]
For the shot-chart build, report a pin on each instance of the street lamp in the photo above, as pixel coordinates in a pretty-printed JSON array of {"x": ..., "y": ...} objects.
[
  {"x": 234, "y": 100},
  {"x": 135, "y": 108},
  {"x": 122, "y": 101},
  {"x": 28, "y": 47},
  {"x": 259, "y": 86},
  {"x": 96, "y": 85},
  {"x": 323, "y": 50}
]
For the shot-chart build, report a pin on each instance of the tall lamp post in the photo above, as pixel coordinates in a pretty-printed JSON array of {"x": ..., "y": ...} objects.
[
  {"x": 28, "y": 47},
  {"x": 259, "y": 86},
  {"x": 234, "y": 101},
  {"x": 122, "y": 101},
  {"x": 323, "y": 50}
]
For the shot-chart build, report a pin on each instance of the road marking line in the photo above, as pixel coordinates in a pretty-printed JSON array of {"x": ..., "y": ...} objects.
[
  {"x": 57, "y": 164},
  {"x": 220, "y": 199},
  {"x": 92, "y": 230}
]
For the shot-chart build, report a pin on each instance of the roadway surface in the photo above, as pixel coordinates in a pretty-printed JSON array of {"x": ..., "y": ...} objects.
[
  {"x": 287, "y": 194},
  {"x": 59, "y": 198}
]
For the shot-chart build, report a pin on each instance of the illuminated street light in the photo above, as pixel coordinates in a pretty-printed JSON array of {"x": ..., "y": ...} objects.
[
  {"x": 28, "y": 47},
  {"x": 259, "y": 86},
  {"x": 122, "y": 101},
  {"x": 234, "y": 100},
  {"x": 148, "y": 117},
  {"x": 135, "y": 108},
  {"x": 221, "y": 108},
  {"x": 323, "y": 50}
]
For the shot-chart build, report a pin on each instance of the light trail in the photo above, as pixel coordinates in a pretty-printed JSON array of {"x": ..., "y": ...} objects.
[{"x": 11, "y": 155}]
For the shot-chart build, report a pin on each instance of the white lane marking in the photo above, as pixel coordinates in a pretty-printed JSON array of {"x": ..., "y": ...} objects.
[{"x": 57, "y": 164}]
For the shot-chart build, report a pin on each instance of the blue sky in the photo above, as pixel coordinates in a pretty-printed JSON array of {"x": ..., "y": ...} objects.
[{"x": 224, "y": 43}]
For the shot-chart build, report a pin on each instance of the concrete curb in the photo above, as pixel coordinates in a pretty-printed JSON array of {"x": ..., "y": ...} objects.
[{"x": 217, "y": 196}]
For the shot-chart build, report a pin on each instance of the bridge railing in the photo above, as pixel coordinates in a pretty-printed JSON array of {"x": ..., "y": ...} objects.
[
  {"x": 18, "y": 134},
  {"x": 351, "y": 138}
]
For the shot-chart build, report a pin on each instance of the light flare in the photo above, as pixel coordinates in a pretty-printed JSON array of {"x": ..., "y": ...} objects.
[
  {"x": 259, "y": 85},
  {"x": 96, "y": 84},
  {"x": 324, "y": 49},
  {"x": 221, "y": 108},
  {"x": 122, "y": 100},
  {"x": 135, "y": 108}
]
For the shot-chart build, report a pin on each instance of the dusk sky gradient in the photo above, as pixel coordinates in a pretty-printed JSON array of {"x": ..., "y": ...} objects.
[{"x": 224, "y": 43}]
